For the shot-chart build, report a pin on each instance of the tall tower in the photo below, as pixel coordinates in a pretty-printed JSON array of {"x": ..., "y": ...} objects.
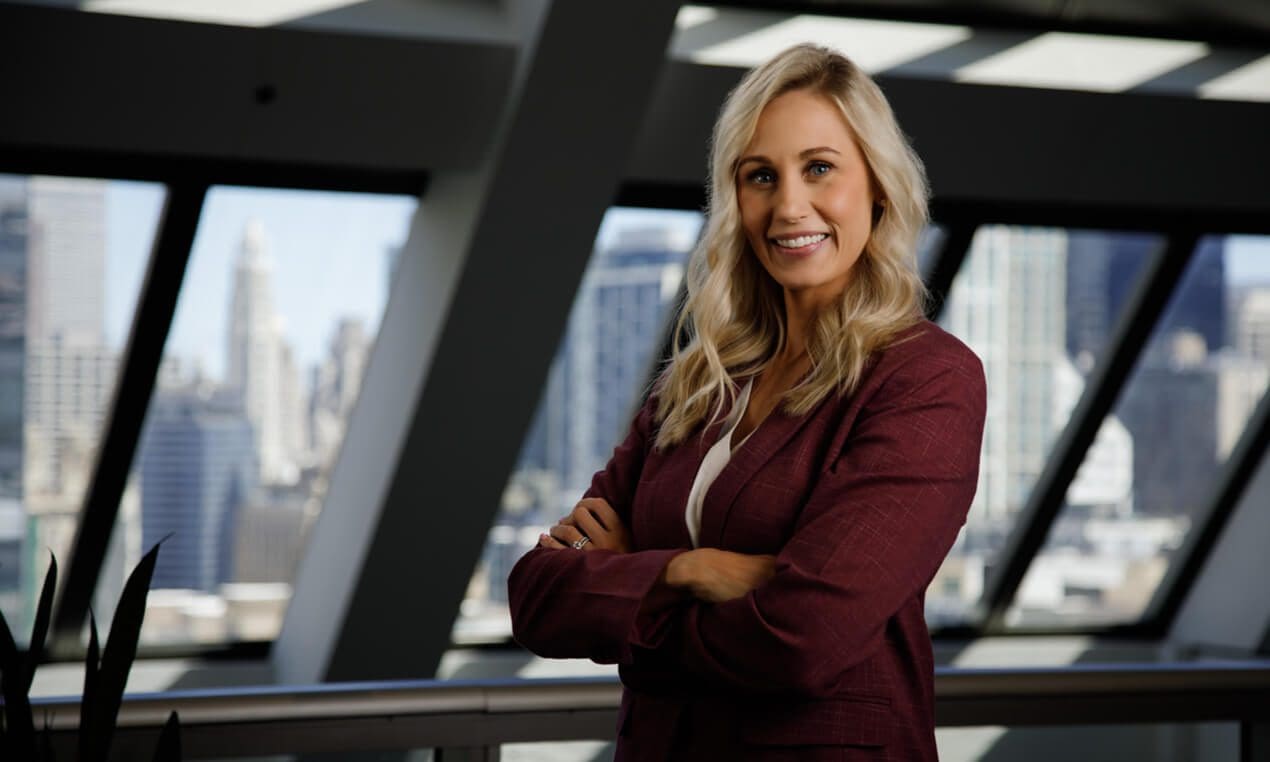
[
  {"x": 335, "y": 386},
  {"x": 13, "y": 321},
  {"x": 198, "y": 468},
  {"x": 256, "y": 366},
  {"x": 1008, "y": 305},
  {"x": 67, "y": 259},
  {"x": 13, "y": 330},
  {"x": 613, "y": 333}
]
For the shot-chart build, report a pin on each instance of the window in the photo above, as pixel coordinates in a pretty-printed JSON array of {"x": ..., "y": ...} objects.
[
  {"x": 606, "y": 357},
  {"x": 1146, "y": 481},
  {"x": 276, "y": 319},
  {"x": 1037, "y": 305},
  {"x": 72, "y": 255}
]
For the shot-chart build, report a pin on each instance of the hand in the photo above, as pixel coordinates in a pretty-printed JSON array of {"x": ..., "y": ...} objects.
[
  {"x": 716, "y": 576},
  {"x": 594, "y": 518}
]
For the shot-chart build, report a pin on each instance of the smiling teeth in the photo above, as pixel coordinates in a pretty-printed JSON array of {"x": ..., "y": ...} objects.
[{"x": 800, "y": 241}]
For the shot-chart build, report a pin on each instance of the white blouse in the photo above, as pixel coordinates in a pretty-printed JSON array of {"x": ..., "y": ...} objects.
[{"x": 714, "y": 462}]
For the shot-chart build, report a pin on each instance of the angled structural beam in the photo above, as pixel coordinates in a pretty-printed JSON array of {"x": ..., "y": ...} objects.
[
  {"x": 133, "y": 390},
  {"x": 1241, "y": 467},
  {"x": 141, "y": 94},
  {"x": 1048, "y": 494},
  {"x": 946, "y": 264},
  {"x": 404, "y": 523},
  {"x": 1213, "y": 599}
]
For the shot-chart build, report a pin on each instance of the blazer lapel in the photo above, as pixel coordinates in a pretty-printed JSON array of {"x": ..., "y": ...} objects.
[{"x": 766, "y": 440}]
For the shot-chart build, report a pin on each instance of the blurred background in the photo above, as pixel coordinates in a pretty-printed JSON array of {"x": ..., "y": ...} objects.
[{"x": 349, "y": 300}]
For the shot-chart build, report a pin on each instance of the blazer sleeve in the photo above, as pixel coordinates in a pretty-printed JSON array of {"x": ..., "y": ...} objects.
[
  {"x": 573, "y": 604},
  {"x": 871, "y": 535}
]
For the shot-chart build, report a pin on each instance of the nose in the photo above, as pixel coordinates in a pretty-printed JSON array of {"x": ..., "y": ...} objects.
[{"x": 792, "y": 202}]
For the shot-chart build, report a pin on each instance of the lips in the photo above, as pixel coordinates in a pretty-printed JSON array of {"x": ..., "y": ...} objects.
[
  {"x": 798, "y": 244},
  {"x": 801, "y": 241}
]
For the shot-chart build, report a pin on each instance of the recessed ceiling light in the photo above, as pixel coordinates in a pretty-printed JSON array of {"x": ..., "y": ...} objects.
[
  {"x": 872, "y": 45},
  {"x": 1082, "y": 62},
  {"x": 1250, "y": 82},
  {"x": 254, "y": 13}
]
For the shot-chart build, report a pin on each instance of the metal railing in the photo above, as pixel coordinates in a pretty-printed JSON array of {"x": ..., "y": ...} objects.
[{"x": 479, "y": 716}]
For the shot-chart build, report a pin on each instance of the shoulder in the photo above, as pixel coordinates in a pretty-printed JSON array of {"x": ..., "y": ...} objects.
[{"x": 922, "y": 356}]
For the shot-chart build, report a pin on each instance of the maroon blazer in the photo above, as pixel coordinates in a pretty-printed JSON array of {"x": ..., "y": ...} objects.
[{"x": 860, "y": 500}]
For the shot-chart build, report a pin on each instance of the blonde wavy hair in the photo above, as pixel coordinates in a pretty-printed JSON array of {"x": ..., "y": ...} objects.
[{"x": 733, "y": 322}]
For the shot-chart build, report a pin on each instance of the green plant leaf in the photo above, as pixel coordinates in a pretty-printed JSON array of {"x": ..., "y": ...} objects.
[
  {"x": 88, "y": 702},
  {"x": 168, "y": 749},
  {"x": 19, "y": 724},
  {"x": 41, "y": 627},
  {"x": 117, "y": 656}
]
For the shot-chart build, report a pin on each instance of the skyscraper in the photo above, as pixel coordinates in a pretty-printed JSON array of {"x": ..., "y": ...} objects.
[
  {"x": 258, "y": 366},
  {"x": 1008, "y": 304},
  {"x": 13, "y": 330},
  {"x": 598, "y": 377},
  {"x": 13, "y": 323},
  {"x": 1102, "y": 271},
  {"x": 1252, "y": 323},
  {"x": 198, "y": 467},
  {"x": 67, "y": 259},
  {"x": 335, "y": 385},
  {"x": 607, "y": 353}
]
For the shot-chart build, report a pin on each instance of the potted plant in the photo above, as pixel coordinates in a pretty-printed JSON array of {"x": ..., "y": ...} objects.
[{"x": 105, "y": 676}]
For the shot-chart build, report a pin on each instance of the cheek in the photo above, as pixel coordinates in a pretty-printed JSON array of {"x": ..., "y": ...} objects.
[
  {"x": 753, "y": 221},
  {"x": 850, "y": 210}
]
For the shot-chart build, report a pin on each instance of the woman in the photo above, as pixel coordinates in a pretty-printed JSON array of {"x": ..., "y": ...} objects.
[{"x": 755, "y": 554}]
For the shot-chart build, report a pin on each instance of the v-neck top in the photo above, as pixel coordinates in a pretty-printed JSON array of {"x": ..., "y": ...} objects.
[{"x": 715, "y": 461}]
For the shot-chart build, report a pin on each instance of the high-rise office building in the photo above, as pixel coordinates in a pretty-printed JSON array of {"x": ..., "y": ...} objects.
[
  {"x": 13, "y": 327},
  {"x": 598, "y": 378},
  {"x": 1252, "y": 323},
  {"x": 67, "y": 259},
  {"x": 1008, "y": 304},
  {"x": 608, "y": 351},
  {"x": 1199, "y": 302},
  {"x": 69, "y": 383},
  {"x": 258, "y": 371},
  {"x": 1170, "y": 407},
  {"x": 335, "y": 385},
  {"x": 14, "y": 228},
  {"x": 1102, "y": 271},
  {"x": 198, "y": 467}
]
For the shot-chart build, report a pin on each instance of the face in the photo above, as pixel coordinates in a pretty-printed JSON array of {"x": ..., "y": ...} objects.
[{"x": 805, "y": 196}]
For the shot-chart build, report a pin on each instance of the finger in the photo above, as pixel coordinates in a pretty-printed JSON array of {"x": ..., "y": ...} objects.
[
  {"x": 602, "y": 511},
  {"x": 566, "y": 519},
  {"x": 589, "y": 526},
  {"x": 547, "y": 541},
  {"x": 566, "y": 534}
]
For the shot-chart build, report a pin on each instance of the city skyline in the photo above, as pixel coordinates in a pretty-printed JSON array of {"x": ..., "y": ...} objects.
[
  {"x": 617, "y": 317},
  {"x": 327, "y": 249},
  {"x": 371, "y": 225}
]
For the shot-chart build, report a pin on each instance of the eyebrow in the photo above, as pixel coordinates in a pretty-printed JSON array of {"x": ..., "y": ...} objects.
[{"x": 802, "y": 155}]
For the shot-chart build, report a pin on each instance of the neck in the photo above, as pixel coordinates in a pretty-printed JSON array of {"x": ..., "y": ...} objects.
[{"x": 800, "y": 309}]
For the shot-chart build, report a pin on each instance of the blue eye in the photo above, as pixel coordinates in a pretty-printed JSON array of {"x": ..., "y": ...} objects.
[
  {"x": 761, "y": 176},
  {"x": 819, "y": 168}
]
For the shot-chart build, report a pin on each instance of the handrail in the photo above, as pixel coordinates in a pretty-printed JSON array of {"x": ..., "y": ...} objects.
[{"x": 245, "y": 722}]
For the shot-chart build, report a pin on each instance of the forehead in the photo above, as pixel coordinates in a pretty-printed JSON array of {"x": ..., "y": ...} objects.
[{"x": 799, "y": 119}]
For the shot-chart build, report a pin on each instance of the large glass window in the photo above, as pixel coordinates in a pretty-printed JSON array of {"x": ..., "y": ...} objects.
[
  {"x": 1142, "y": 489},
  {"x": 615, "y": 330},
  {"x": 1038, "y": 306},
  {"x": 929, "y": 245},
  {"x": 277, "y": 314},
  {"x": 72, "y": 255}
]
